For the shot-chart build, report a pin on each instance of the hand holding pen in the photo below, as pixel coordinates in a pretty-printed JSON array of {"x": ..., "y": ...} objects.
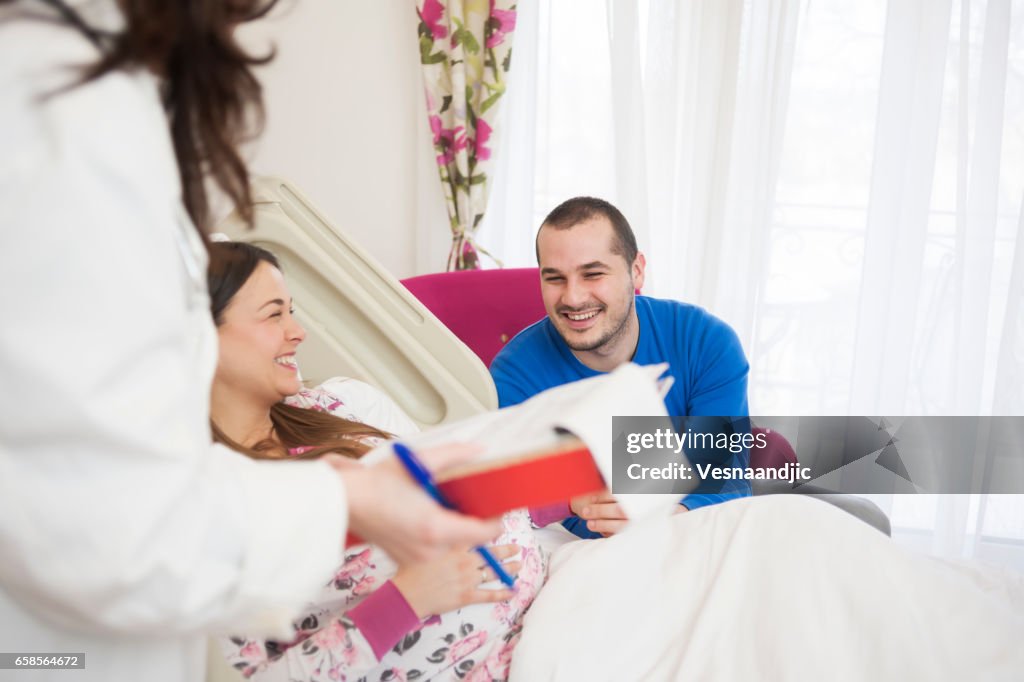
[
  {"x": 454, "y": 580},
  {"x": 422, "y": 476},
  {"x": 385, "y": 508}
]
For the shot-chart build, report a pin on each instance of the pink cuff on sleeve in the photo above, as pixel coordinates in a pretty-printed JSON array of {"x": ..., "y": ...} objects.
[
  {"x": 550, "y": 513},
  {"x": 384, "y": 617}
]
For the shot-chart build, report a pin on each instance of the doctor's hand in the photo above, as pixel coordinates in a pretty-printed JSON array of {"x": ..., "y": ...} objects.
[
  {"x": 386, "y": 507},
  {"x": 453, "y": 580},
  {"x": 601, "y": 512}
]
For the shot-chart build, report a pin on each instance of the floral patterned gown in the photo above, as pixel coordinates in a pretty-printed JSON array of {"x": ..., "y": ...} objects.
[{"x": 472, "y": 644}]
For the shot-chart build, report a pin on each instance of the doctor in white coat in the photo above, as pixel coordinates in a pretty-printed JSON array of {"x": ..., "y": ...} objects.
[{"x": 125, "y": 535}]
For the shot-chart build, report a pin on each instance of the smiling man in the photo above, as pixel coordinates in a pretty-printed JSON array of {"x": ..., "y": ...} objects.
[{"x": 590, "y": 269}]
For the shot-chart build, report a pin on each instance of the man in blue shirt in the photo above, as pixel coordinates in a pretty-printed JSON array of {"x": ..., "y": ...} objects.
[{"x": 590, "y": 269}]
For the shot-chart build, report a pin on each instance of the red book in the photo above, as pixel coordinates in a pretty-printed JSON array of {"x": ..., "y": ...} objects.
[
  {"x": 532, "y": 479},
  {"x": 491, "y": 487}
]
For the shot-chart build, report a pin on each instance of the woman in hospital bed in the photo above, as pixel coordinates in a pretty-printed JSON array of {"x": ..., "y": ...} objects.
[
  {"x": 781, "y": 587},
  {"x": 367, "y": 619}
]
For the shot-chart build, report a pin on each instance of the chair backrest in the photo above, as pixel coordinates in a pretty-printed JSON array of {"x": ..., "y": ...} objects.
[
  {"x": 484, "y": 308},
  {"x": 776, "y": 452}
]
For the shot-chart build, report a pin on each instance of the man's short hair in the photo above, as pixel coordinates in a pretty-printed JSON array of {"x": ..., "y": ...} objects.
[{"x": 577, "y": 210}]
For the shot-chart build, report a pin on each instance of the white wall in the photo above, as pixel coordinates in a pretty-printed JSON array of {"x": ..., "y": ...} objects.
[{"x": 346, "y": 123}]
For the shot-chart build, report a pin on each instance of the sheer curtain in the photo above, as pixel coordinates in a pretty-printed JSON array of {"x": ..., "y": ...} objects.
[{"x": 840, "y": 181}]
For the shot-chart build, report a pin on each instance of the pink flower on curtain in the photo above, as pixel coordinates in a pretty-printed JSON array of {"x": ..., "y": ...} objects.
[
  {"x": 448, "y": 140},
  {"x": 503, "y": 21},
  {"x": 483, "y": 134},
  {"x": 436, "y": 126},
  {"x": 432, "y": 14},
  {"x": 470, "y": 259}
]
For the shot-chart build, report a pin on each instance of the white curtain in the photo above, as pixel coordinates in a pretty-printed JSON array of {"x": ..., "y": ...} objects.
[{"x": 840, "y": 181}]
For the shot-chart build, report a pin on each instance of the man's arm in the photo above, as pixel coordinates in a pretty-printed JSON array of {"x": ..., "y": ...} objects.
[
  {"x": 511, "y": 380},
  {"x": 720, "y": 390}
]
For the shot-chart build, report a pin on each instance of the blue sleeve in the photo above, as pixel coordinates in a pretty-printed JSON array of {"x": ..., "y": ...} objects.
[
  {"x": 510, "y": 380},
  {"x": 716, "y": 491},
  {"x": 720, "y": 390},
  {"x": 578, "y": 527},
  {"x": 720, "y": 376},
  {"x": 734, "y": 490}
]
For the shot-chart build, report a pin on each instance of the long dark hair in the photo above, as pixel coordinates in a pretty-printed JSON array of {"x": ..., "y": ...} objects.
[
  {"x": 231, "y": 265},
  {"x": 213, "y": 101}
]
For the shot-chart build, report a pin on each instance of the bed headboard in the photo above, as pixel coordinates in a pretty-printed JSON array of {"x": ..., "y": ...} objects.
[{"x": 360, "y": 320}]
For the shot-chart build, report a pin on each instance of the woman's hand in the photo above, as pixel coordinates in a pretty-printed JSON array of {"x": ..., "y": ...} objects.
[
  {"x": 453, "y": 580},
  {"x": 386, "y": 507}
]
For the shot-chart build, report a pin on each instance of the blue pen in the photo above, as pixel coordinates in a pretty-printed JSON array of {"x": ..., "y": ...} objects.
[{"x": 420, "y": 474}]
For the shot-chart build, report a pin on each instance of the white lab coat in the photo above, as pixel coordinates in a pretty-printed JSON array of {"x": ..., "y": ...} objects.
[{"x": 124, "y": 533}]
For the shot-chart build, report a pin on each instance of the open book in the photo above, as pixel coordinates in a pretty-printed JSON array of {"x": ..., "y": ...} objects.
[{"x": 554, "y": 446}]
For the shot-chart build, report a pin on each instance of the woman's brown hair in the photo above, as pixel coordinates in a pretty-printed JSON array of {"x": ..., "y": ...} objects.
[
  {"x": 213, "y": 101},
  {"x": 231, "y": 265}
]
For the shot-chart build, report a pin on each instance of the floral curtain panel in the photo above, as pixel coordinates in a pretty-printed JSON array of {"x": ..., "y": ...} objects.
[{"x": 465, "y": 49}]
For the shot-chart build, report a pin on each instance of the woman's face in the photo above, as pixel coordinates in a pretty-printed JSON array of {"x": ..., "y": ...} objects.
[{"x": 258, "y": 338}]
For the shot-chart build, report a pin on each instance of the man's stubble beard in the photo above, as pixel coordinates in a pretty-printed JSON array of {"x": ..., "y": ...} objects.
[{"x": 612, "y": 335}]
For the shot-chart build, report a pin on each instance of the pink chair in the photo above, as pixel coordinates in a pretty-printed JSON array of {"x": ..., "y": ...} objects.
[
  {"x": 484, "y": 308},
  {"x": 777, "y": 451}
]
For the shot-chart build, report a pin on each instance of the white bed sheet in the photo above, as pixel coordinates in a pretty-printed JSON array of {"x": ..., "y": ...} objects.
[{"x": 774, "y": 588}]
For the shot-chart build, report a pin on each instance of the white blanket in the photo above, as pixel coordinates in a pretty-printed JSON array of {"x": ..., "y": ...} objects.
[{"x": 770, "y": 588}]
